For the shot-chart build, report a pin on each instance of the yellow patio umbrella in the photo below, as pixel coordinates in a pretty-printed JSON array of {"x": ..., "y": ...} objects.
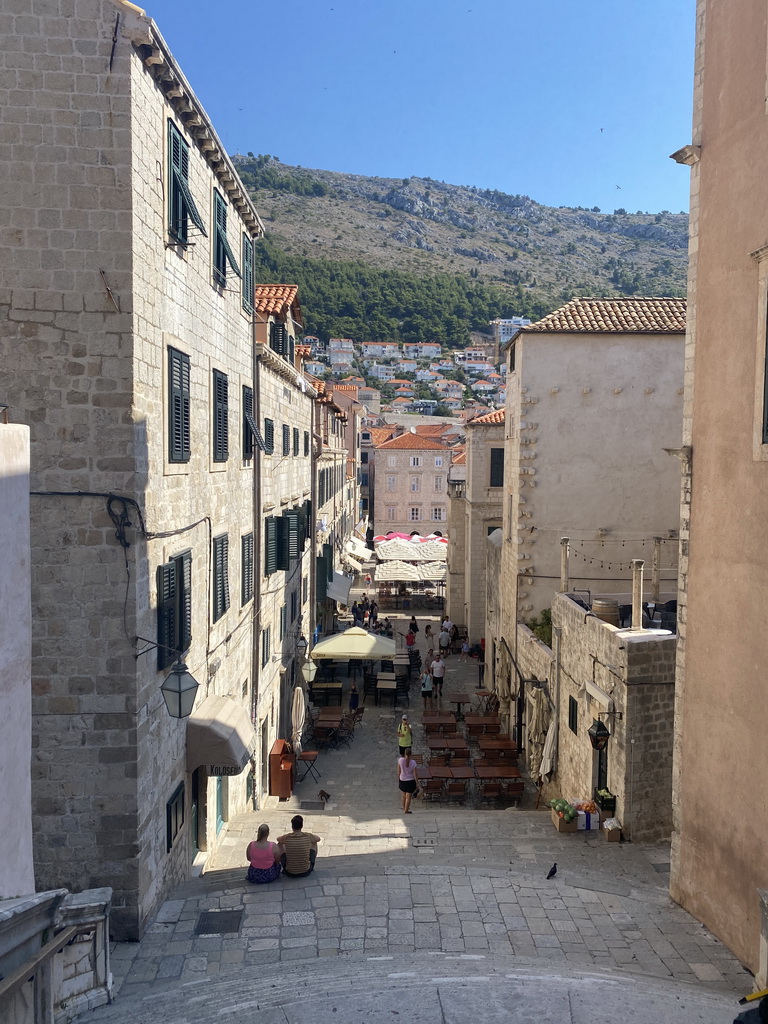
[{"x": 354, "y": 643}]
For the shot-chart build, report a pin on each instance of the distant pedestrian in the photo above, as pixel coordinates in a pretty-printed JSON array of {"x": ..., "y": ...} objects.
[
  {"x": 445, "y": 641},
  {"x": 410, "y": 638},
  {"x": 413, "y": 624},
  {"x": 464, "y": 650},
  {"x": 437, "y": 668},
  {"x": 426, "y": 687},
  {"x": 354, "y": 697},
  {"x": 404, "y": 735},
  {"x": 406, "y": 779},
  {"x": 428, "y": 634},
  {"x": 373, "y": 614}
]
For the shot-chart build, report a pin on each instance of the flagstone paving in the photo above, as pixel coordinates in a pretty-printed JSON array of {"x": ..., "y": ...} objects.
[{"x": 437, "y": 900}]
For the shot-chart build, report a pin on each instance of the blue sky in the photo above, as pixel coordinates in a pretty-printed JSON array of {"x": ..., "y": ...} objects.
[{"x": 561, "y": 101}]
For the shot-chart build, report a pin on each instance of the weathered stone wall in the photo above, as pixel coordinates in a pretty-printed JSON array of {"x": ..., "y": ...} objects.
[
  {"x": 455, "y": 593},
  {"x": 483, "y": 510}
]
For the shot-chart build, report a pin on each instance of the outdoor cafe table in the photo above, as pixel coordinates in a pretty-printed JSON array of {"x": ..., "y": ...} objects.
[
  {"x": 327, "y": 690},
  {"x": 330, "y": 716},
  {"x": 447, "y": 743},
  {"x": 386, "y": 688},
  {"x": 498, "y": 771},
  {"x": 442, "y": 720},
  {"x": 497, "y": 745},
  {"x": 481, "y": 720},
  {"x": 458, "y": 699}
]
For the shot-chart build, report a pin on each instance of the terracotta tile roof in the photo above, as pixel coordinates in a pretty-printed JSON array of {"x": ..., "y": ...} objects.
[
  {"x": 497, "y": 416},
  {"x": 276, "y": 298},
  {"x": 614, "y": 316},
  {"x": 432, "y": 429},
  {"x": 460, "y": 458},
  {"x": 345, "y": 387},
  {"x": 414, "y": 442},
  {"x": 380, "y": 434}
]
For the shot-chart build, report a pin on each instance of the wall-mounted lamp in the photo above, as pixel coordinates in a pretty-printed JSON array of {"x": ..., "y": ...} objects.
[
  {"x": 598, "y": 731},
  {"x": 179, "y": 691},
  {"x": 301, "y": 646}
]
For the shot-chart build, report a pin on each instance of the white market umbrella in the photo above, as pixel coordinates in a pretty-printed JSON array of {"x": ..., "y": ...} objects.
[
  {"x": 298, "y": 714},
  {"x": 355, "y": 643},
  {"x": 396, "y": 572},
  {"x": 549, "y": 756}
]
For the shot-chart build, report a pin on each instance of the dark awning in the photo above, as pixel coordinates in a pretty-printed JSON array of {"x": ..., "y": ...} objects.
[{"x": 220, "y": 736}]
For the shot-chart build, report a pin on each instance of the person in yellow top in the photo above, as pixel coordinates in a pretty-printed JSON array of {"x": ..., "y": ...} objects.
[{"x": 404, "y": 734}]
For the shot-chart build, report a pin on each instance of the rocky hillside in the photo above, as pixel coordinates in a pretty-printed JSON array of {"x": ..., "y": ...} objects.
[{"x": 428, "y": 227}]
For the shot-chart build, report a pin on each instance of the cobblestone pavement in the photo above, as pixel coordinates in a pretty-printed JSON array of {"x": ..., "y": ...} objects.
[{"x": 454, "y": 892}]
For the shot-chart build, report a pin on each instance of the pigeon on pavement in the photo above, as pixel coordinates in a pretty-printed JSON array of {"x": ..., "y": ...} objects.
[{"x": 552, "y": 871}]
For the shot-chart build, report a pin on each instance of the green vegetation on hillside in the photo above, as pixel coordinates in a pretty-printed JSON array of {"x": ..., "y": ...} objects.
[
  {"x": 355, "y": 300},
  {"x": 259, "y": 172}
]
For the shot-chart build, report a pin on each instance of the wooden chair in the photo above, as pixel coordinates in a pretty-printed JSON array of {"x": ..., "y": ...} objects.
[
  {"x": 490, "y": 791},
  {"x": 461, "y": 762},
  {"x": 515, "y": 790},
  {"x": 456, "y": 790},
  {"x": 439, "y": 760},
  {"x": 433, "y": 789},
  {"x": 493, "y": 730}
]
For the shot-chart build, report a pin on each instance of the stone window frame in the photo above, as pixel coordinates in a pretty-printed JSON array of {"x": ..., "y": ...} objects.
[
  {"x": 573, "y": 715},
  {"x": 391, "y": 484},
  {"x": 175, "y": 816},
  {"x": 391, "y": 516},
  {"x": 414, "y": 514},
  {"x": 220, "y": 595},
  {"x": 438, "y": 487},
  {"x": 415, "y": 485},
  {"x": 438, "y": 514}
]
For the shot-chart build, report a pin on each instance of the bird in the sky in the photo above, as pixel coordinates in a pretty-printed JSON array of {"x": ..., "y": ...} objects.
[
  {"x": 552, "y": 871},
  {"x": 602, "y": 129},
  {"x": 619, "y": 187}
]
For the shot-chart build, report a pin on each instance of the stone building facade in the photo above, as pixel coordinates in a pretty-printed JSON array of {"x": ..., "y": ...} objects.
[
  {"x": 283, "y": 412},
  {"x": 594, "y": 396},
  {"x": 479, "y": 504},
  {"x": 719, "y": 869},
  {"x": 411, "y": 484},
  {"x": 127, "y": 346}
]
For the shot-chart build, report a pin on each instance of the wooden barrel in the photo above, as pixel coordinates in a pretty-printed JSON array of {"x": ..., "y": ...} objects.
[{"x": 607, "y": 610}]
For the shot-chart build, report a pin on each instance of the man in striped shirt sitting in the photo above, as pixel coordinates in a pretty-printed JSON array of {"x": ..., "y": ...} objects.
[{"x": 300, "y": 849}]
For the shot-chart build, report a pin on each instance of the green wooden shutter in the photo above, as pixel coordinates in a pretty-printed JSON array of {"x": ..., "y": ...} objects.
[
  {"x": 219, "y": 234},
  {"x": 277, "y": 334},
  {"x": 178, "y": 406},
  {"x": 270, "y": 545},
  {"x": 247, "y": 286},
  {"x": 220, "y": 576},
  {"x": 166, "y": 614},
  {"x": 246, "y": 569},
  {"x": 497, "y": 467},
  {"x": 294, "y": 550},
  {"x": 248, "y": 435},
  {"x": 291, "y": 355},
  {"x": 269, "y": 435},
  {"x": 181, "y": 201},
  {"x": 286, "y": 439},
  {"x": 283, "y": 560},
  {"x": 328, "y": 556},
  {"x": 185, "y": 602},
  {"x": 321, "y": 578},
  {"x": 220, "y": 416},
  {"x": 296, "y": 441},
  {"x": 306, "y": 442}
]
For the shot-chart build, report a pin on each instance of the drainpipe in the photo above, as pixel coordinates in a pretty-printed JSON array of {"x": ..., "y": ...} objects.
[
  {"x": 637, "y": 593},
  {"x": 656, "y": 571},
  {"x": 564, "y": 542},
  {"x": 557, "y": 635}
]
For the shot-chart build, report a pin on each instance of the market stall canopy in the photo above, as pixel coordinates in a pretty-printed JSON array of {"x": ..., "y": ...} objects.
[
  {"x": 433, "y": 571},
  {"x": 356, "y": 548},
  {"x": 348, "y": 559},
  {"x": 354, "y": 643},
  {"x": 339, "y": 587},
  {"x": 435, "y": 550},
  {"x": 403, "y": 550},
  {"x": 220, "y": 736},
  {"x": 396, "y": 572}
]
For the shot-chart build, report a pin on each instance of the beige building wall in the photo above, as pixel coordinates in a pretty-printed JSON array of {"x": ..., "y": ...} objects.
[
  {"x": 719, "y": 860},
  {"x": 402, "y": 486},
  {"x": 90, "y": 306},
  {"x": 16, "y": 865},
  {"x": 592, "y": 415}
]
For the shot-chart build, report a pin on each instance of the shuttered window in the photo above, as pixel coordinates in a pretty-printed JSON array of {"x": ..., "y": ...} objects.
[
  {"x": 292, "y": 521},
  {"x": 283, "y": 560},
  {"x": 282, "y": 622},
  {"x": 269, "y": 435},
  {"x": 222, "y": 250},
  {"x": 266, "y": 645},
  {"x": 296, "y": 441},
  {"x": 181, "y": 205},
  {"x": 286, "y": 439},
  {"x": 306, "y": 442},
  {"x": 328, "y": 556},
  {"x": 497, "y": 467},
  {"x": 220, "y": 576},
  {"x": 277, "y": 336},
  {"x": 248, "y": 424},
  {"x": 220, "y": 416},
  {"x": 174, "y": 608},
  {"x": 270, "y": 545},
  {"x": 174, "y": 816},
  {"x": 246, "y": 568},
  {"x": 294, "y": 605},
  {"x": 321, "y": 578},
  {"x": 178, "y": 406},
  {"x": 247, "y": 274}
]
